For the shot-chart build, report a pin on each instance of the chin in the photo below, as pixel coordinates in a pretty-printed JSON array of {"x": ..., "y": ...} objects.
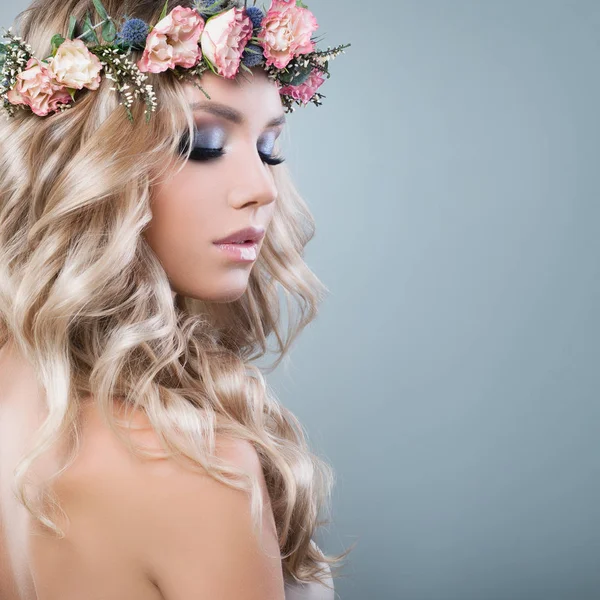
[
  {"x": 222, "y": 295},
  {"x": 222, "y": 290},
  {"x": 230, "y": 296}
]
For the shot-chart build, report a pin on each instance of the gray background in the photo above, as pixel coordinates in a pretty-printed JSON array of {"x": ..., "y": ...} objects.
[{"x": 451, "y": 375}]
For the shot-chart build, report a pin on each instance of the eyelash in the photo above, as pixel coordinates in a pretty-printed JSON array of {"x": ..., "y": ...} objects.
[{"x": 205, "y": 154}]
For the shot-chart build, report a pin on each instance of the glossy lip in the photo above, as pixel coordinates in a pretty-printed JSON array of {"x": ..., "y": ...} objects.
[
  {"x": 253, "y": 234},
  {"x": 240, "y": 252}
]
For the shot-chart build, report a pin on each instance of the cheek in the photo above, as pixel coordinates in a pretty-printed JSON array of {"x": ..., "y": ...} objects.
[{"x": 183, "y": 213}]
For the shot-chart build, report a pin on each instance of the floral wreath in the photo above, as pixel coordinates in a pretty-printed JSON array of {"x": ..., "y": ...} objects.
[{"x": 225, "y": 36}]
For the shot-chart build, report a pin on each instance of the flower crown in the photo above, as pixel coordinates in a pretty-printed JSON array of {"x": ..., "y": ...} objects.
[{"x": 225, "y": 36}]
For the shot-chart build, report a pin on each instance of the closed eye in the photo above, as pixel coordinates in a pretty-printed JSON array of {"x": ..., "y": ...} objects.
[
  {"x": 206, "y": 154},
  {"x": 271, "y": 160}
]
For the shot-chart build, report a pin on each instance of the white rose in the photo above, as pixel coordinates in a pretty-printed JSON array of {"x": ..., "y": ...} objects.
[{"x": 74, "y": 66}]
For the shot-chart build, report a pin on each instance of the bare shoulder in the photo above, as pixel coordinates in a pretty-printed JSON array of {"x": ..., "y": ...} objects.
[{"x": 191, "y": 535}]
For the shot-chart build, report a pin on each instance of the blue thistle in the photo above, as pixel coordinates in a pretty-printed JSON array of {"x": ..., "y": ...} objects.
[
  {"x": 256, "y": 16},
  {"x": 133, "y": 33},
  {"x": 252, "y": 56},
  {"x": 209, "y": 8}
]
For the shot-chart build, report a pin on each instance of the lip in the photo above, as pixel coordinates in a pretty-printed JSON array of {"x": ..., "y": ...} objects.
[
  {"x": 253, "y": 234},
  {"x": 246, "y": 253}
]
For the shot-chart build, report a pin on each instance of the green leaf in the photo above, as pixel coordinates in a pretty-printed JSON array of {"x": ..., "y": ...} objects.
[
  {"x": 72, "y": 25},
  {"x": 101, "y": 10},
  {"x": 285, "y": 76},
  {"x": 56, "y": 41},
  {"x": 201, "y": 89},
  {"x": 89, "y": 35},
  {"x": 72, "y": 93},
  {"x": 163, "y": 14},
  {"x": 210, "y": 65},
  {"x": 245, "y": 68},
  {"x": 301, "y": 78},
  {"x": 300, "y": 4},
  {"x": 109, "y": 31}
]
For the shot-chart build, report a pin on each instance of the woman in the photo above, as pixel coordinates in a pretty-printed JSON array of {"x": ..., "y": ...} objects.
[{"x": 142, "y": 455}]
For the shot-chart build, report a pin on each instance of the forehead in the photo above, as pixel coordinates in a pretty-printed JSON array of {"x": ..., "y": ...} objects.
[{"x": 254, "y": 95}]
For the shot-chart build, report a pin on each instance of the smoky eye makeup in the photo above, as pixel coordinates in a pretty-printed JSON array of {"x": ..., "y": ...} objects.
[
  {"x": 208, "y": 143},
  {"x": 266, "y": 144},
  {"x": 206, "y": 139}
]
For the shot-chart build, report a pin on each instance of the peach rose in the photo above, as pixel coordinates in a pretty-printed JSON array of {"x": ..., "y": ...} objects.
[
  {"x": 173, "y": 41},
  {"x": 74, "y": 66},
  {"x": 224, "y": 39},
  {"x": 37, "y": 89},
  {"x": 287, "y": 30}
]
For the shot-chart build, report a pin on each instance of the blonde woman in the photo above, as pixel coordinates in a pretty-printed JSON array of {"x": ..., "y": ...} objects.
[{"x": 142, "y": 263}]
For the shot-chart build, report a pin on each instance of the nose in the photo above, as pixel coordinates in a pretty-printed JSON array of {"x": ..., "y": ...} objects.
[{"x": 252, "y": 182}]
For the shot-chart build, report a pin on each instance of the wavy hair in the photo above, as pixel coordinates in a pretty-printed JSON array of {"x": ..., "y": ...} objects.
[{"x": 87, "y": 302}]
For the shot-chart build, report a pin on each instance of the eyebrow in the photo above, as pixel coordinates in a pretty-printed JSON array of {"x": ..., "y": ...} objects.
[{"x": 229, "y": 113}]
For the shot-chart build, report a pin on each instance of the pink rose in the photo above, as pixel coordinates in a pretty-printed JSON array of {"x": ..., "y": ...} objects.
[
  {"x": 158, "y": 54},
  {"x": 305, "y": 91},
  {"x": 74, "y": 66},
  {"x": 287, "y": 30},
  {"x": 174, "y": 41},
  {"x": 37, "y": 89},
  {"x": 224, "y": 39}
]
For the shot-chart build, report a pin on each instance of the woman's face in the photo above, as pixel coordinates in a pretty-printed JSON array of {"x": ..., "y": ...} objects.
[{"x": 225, "y": 186}]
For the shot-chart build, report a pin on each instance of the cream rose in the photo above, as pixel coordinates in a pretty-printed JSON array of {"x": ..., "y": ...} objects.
[{"x": 74, "y": 66}]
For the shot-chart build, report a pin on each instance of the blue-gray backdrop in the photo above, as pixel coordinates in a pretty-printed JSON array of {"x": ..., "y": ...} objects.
[{"x": 451, "y": 375}]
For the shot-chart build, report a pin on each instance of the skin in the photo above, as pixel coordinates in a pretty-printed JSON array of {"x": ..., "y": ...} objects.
[{"x": 208, "y": 200}]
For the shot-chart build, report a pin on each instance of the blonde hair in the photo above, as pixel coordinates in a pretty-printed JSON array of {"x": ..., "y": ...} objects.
[{"x": 87, "y": 302}]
